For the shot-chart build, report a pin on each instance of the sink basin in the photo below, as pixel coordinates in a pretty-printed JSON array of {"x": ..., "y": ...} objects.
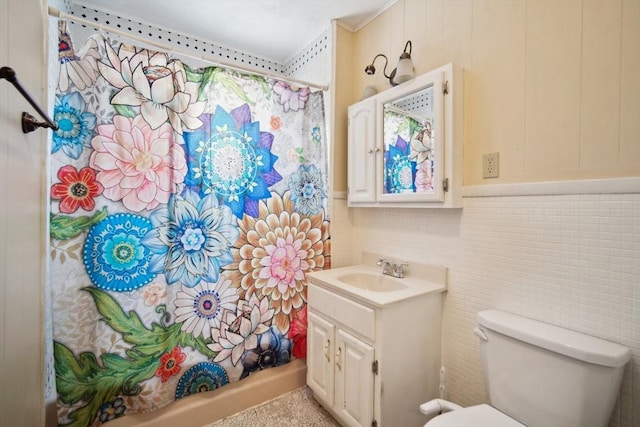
[
  {"x": 366, "y": 283},
  {"x": 371, "y": 282}
]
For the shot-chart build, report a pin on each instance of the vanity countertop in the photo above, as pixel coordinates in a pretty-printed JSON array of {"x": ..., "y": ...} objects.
[{"x": 367, "y": 284}]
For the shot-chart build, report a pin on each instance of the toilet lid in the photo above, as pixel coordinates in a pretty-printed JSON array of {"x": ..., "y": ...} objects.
[{"x": 474, "y": 416}]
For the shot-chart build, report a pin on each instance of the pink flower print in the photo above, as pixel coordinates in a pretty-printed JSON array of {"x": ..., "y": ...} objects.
[
  {"x": 154, "y": 293},
  {"x": 136, "y": 164},
  {"x": 424, "y": 177},
  {"x": 285, "y": 263}
]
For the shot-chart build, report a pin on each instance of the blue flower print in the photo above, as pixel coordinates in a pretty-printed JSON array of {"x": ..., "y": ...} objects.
[
  {"x": 400, "y": 171},
  {"x": 230, "y": 157},
  {"x": 191, "y": 239},
  {"x": 205, "y": 376},
  {"x": 75, "y": 125},
  {"x": 307, "y": 193},
  {"x": 112, "y": 410},
  {"x": 114, "y": 256},
  {"x": 315, "y": 135},
  {"x": 273, "y": 349}
]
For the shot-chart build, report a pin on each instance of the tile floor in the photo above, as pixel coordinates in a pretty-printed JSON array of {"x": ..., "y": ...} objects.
[{"x": 294, "y": 409}]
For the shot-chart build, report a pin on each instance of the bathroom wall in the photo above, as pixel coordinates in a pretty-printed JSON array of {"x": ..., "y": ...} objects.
[
  {"x": 552, "y": 86},
  {"x": 555, "y": 88},
  {"x": 22, "y": 218}
]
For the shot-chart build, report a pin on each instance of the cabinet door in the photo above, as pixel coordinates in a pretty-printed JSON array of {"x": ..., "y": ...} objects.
[
  {"x": 354, "y": 380},
  {"x": 320, "y": 368},
  {"x": 362, "y": 152},
  {"x": 411, "y": 134}
]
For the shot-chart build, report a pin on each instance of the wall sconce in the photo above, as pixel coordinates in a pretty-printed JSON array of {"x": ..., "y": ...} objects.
[{"x": 403, "y": 71}]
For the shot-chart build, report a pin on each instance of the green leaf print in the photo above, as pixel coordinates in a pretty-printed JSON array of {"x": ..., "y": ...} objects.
[
  {"x": 64, "y": 227},
  {"x": 85, "y": 379},
  {"x": 218, "y": 75},
  {"x": 124, "y": 110}
]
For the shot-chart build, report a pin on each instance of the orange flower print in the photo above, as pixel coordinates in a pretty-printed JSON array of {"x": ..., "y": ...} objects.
[
  {"x": 170, "y": 364},
  {"x": 76, "y": 189},
  {"x": 275, "y": 122},
  {"x": 275, "y": 251}
]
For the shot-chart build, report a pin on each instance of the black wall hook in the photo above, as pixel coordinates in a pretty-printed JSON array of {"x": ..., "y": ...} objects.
[{"x": 29, "y": 123}]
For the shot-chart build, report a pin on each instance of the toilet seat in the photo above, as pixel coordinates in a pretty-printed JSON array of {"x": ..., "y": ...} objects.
[{"x": 474, "y": 416}]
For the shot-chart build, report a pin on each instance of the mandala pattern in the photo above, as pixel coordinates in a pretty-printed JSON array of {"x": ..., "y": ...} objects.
[
  {"x": 204, "y": 376},
  {"x": 114, "y": 256},
  {"x": 231, "y": 157},
  {"x": 400, "y": 171}
]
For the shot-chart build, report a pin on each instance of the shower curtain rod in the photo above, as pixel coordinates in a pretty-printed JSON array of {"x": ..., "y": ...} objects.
[{"x": 61, "y": 15}]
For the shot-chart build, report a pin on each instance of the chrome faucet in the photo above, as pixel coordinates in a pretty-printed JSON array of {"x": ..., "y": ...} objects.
[
  {"x": 394, "y": 270},
  {"x": 398, "y": 269},
  {"x": 386, "y": 266}
]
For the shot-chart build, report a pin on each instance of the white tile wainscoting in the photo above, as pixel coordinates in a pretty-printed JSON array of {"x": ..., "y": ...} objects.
[{"x": 572, "y": 260}]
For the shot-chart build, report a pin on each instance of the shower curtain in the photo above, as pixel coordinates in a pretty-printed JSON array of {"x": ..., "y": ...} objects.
[{"x": 187, "y": 206}]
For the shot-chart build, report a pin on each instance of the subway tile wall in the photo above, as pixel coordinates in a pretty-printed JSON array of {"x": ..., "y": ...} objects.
[{"x": 571, "y": 260}]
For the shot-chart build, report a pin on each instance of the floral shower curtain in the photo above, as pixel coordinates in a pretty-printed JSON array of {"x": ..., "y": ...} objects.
[{"x": 187, "y": 206}]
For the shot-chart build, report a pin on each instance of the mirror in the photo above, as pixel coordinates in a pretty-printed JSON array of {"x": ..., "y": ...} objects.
[{"x": 409, "y": 137}]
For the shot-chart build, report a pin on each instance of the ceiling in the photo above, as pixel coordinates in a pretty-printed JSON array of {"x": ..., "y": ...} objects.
[{"x": 270, "y": 29}]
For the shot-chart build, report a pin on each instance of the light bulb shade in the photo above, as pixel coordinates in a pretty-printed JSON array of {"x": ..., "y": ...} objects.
[
  {"x": 368, "y": 91},
  {"x": 404, "y": 71}
]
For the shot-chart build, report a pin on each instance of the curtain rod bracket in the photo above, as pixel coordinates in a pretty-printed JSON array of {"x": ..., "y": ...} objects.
[{"x": 29, "y": 123}]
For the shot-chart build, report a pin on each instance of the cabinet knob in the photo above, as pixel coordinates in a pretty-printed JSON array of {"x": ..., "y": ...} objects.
[
  {"x": 338, "y": 363},
  {"x": 326, "y": 350}
]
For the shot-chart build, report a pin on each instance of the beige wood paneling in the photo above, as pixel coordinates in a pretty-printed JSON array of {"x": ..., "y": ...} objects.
[
  {"x": 429, "y": 53},
  {"x": 343, "y": 95},
  {"x": 498, "y": 95},
  {"x": 553, "y": 55},
  {"x": 553, "y": 86},
  {"x": 457, "y": 18},
  {"x": 629, "y": 157},
  {"x": 600, "y": 87}
]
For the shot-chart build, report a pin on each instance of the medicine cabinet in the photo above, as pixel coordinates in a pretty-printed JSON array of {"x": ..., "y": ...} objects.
[{"x": 405, "y": 144}]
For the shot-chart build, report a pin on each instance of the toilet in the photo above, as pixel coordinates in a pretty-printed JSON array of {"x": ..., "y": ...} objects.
[{"x": 538, "y": 375}]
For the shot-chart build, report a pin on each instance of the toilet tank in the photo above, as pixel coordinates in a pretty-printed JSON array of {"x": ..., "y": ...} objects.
[{"x": 547, "y": 376}]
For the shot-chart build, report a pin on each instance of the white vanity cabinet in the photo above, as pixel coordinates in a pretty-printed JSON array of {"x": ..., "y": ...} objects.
[
  {"x": 405, "y": 144},
  {"x": 370, "y": 364}
]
